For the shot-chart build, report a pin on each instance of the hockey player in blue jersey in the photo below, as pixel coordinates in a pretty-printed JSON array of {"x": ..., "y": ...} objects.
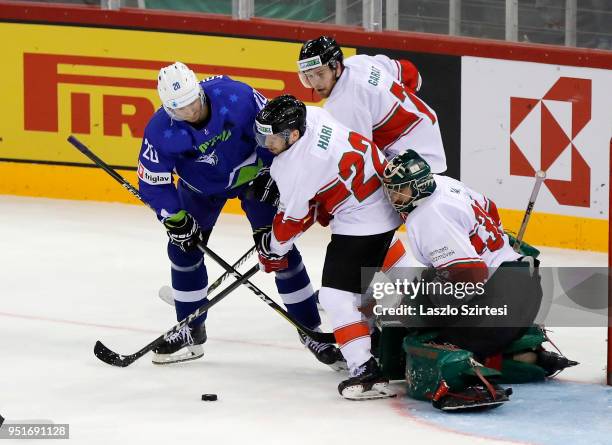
[{"x": 203, "y": 133}]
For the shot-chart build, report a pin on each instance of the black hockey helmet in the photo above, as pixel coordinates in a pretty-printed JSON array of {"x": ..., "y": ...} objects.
[
  {"x": 280, "y": 115},
  {"x": 318, "y": 52}
]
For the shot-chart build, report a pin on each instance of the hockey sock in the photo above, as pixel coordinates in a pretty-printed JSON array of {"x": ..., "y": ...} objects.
[
  {"x": 184, "y": 308},
  {"x": 296, "y": 291},
  {"x": 352, "y": 334},
  {"x": 305, "y": 312},
  {"x": 396, "y": 255},
  {"x": 189, "y": 281}
]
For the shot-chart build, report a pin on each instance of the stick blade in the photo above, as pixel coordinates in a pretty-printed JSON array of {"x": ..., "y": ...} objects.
[{"x": 111, "y": 357}]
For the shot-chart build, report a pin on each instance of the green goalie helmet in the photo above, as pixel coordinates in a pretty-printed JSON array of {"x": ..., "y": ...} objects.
[{"x": 407, "y": 179}]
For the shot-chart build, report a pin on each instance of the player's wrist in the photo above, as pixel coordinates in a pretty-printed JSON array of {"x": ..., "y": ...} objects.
[{"x": 176, "y": 219}]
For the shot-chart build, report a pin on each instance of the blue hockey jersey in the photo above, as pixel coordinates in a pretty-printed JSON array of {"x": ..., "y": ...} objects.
[{"x": 212, "y": 160}]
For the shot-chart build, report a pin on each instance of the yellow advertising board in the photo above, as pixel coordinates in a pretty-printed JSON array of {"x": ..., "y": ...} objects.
[{"x": 100, "y": 85}]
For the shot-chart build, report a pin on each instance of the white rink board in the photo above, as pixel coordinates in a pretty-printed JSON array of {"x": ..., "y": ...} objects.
[{"x": 486, "y": 88}]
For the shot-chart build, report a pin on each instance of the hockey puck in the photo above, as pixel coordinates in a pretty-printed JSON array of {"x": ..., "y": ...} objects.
[{"x": 209, "y": 397}]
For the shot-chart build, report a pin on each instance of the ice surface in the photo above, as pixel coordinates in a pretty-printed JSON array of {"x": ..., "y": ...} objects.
[{"x": 75, "y": 272}]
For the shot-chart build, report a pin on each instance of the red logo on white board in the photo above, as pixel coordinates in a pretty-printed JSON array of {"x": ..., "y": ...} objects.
[{"x": 542, "y": 133}]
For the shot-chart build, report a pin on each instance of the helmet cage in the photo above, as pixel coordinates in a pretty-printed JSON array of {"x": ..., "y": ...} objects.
[{"x": 420, "y": 187}]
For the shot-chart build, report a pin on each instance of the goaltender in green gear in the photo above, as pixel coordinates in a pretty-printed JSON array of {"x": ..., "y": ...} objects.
[{"x": 453, "y": 349}]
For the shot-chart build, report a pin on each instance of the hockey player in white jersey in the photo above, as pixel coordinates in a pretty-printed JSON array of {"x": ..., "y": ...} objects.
[
  {"x": 468, "y": 228},
  {"x": 323, "y": 168},
  {"x": 375, "y": 96},
  {"x": 457, "y": 233}
]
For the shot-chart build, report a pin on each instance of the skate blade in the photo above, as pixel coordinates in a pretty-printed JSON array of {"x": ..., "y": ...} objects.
[
  {"x": 480, "y": 406},
  {"x": 193, "y": 352},
  {"x": 378, "y": 391}
]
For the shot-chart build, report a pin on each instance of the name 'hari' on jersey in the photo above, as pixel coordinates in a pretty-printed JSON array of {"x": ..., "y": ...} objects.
[
  {"x": 213, "y": 159},
  {"x": 338, "y": 169}
]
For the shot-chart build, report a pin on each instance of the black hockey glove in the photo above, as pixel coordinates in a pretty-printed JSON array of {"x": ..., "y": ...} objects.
[
  {"x": 183, "y": 231},
  {"x": 263, "y": 188}
]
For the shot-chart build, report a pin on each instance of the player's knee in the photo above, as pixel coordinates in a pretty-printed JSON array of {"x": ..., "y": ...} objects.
[{"x": 338, "y": 303}]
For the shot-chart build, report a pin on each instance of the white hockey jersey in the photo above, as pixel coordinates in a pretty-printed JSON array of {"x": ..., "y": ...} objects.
[
  {"x": 457, "y": 226},
  {"x": 337, "y": 169},
  {"x": 370, "y": 99}
]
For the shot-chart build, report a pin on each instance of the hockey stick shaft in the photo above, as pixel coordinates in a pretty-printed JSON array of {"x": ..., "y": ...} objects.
[
  {"x": 317, "y": 336},
  {"x": 169, "y": 299},
  {"x": 323, "y": 337},
  {"x": 236, "y": 265},
  {"x": 540, "y": 177},
  {"x": 112, "y": 358}
]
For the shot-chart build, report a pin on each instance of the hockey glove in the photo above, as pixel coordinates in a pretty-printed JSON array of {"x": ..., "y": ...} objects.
[
  {"x": 268, "y": 261},
  {"x": 317, "y": 213},
  {"x": 263, "y": 188},
  {"x": 183, "y": 231}
]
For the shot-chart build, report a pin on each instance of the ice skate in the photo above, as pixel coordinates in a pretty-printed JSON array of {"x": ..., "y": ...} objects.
[
  {"x": 188, "y": 339},
  {"x": 326, "y": 353},
  {"x": 366, "y": 383}
]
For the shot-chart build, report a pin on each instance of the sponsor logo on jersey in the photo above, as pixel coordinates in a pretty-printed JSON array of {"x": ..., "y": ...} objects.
[
  {"x": 324, "y": 137},
  {"x": 440, "y": 254},
  {"x": 221, "y": 137},
  {"x": 153, "y": 178}
]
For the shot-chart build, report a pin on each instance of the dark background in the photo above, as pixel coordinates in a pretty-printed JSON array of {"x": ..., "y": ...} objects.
[{"x": 441, "y": 89}]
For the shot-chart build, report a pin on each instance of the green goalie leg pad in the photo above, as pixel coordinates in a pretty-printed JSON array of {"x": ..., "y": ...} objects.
[
  {"x": 532, "y": 339},
  {"x": 427, "y": 364},
  {"x": 514, "y": 371}
]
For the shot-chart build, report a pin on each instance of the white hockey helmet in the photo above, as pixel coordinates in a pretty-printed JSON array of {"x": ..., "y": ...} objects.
[{"x": 178, "y": 87}]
